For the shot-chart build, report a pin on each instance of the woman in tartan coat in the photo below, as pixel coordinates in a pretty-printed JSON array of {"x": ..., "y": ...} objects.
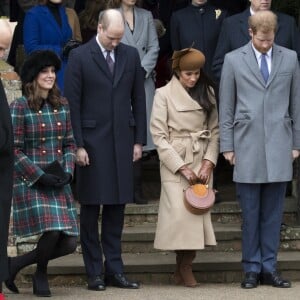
[{"x": 42, "y": 203}]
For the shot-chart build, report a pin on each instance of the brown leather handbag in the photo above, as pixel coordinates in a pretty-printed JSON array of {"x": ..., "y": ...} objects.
[{"x": 199, "y": 198}]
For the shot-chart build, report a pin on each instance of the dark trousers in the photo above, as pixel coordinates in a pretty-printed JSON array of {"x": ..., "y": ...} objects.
[
  {"x": 111, "y": 232},
  {"x": 262, "y": 209}
]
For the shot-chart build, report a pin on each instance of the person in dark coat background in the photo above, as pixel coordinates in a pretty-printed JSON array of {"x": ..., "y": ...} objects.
[
  {"x": 234, "y": 33},
  {"x": 6, "y": 164},
  {"x": 104, "y": 83},
  {"x": 198, "y": 25}
]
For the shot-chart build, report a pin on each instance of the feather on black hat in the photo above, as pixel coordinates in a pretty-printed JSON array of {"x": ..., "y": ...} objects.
[{"x": 37, "y": 61}]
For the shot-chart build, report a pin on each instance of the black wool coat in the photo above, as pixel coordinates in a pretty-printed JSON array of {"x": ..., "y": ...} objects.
[
  {"x": 108, "y": 115},
  {"x": 200, "y": 27},
  {"x": 6, "y": 181}
]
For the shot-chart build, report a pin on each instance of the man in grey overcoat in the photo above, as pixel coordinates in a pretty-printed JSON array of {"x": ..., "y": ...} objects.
[
  {"x": 260, "y": 136},
  {"x": 105, "y": 88},
  {"x": 6, "y": 162}
]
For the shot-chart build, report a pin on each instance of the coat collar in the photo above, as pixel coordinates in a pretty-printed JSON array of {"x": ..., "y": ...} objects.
[
  {"x": 251, "y": 61},
  {"x": 131, "y": 38},
  {"x": 180, "y": 98},
  {"x": 65, "y": 24},
  {"x": 120, "y": 60},
  {"x": 243, "y": 23}
]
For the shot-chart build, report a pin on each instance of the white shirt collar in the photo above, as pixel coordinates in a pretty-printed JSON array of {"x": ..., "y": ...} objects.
[
  {"x": 251, "y": 11},
  {"x": 259, "y": 54},
  {"x": 104, "y": 51}
]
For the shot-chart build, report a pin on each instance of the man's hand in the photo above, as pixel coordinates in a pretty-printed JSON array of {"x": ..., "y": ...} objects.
[
  {"x": 229, "y": 156},
  {"x": 295, "y": 154},
  {"x": 82, "y": 158},
  {"x": 137, "y": 151}
]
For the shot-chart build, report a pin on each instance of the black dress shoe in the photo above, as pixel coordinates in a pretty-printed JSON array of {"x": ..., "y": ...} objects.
[
  {"x": 275, "y": 280},
  {"x": 96, "y": 284},
  {"x": 9, "y": 283},
  {"x": 119, "y": 280},
  {"x": 250, "y": 281}
]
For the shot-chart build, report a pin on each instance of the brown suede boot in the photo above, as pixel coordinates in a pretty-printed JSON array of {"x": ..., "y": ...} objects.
[
  {"x": 177, "y": 276},
  {"x": 185, "y": 268}
]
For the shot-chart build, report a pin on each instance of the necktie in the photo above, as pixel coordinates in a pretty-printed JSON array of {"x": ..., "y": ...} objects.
[
  {"x": 110, "y": 62},
  {"x": 264, "y": 68}
]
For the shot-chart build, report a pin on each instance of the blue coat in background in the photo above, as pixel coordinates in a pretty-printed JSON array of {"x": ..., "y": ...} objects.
[{"x": 42, "y": 32}]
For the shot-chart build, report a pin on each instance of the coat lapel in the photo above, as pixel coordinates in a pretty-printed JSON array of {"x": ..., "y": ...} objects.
[
  {"x": 276, "y": 61},
  {"x": 138, "y": 25},
  {"x": 49, "y": 17},
  {"x": 244, "y": 24},
  {"x": 120, "y": 62},
  {"x": 180, "y": 98},
  {"x": 250, "y": 59},
  {"x": 98, "y": 57}
]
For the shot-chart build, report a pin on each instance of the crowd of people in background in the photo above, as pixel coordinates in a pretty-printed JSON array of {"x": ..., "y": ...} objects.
[{"x": 108, "y": 83}]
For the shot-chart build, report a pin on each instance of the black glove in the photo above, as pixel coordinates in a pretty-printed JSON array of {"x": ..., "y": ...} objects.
[
  {"x": 70, "y": 44},
  {"x": 65, "y": 180},
  {"x": 48, "y": 180}
]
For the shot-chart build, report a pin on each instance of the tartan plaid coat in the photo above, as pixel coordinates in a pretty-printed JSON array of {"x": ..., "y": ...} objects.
[{"x": 39, "y": 139}]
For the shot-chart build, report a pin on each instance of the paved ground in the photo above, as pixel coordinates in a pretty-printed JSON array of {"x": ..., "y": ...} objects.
[{"x": 169, "y": 292}]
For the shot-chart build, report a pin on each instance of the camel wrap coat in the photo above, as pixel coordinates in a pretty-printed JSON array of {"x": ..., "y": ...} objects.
[{"x": 184, "y": 135}]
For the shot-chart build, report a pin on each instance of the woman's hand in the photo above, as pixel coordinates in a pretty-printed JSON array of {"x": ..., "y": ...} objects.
[
  {"x": 189, "y": 174},
  {"x": 205, "y": 171}
]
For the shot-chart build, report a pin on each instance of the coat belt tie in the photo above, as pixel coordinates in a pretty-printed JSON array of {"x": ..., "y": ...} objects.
[{"x": 195, "y": 145}]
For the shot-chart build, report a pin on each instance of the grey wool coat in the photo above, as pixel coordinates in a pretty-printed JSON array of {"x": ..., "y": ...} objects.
[
  {"x": 184, "y": 135},
  {"x": 260, "y": 122},
  {"x": 144, "y": 39}
]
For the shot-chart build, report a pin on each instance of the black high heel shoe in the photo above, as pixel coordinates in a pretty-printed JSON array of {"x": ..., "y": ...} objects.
[
  {"x": 9, "y": 283},
  {"x": 40, "y": 285}
]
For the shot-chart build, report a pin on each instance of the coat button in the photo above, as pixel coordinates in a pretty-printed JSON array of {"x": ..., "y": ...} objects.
[
  {"x": 59, "y": 151},
  {"x": 44, "y": 151},
  {"x": 43, "y": 139},
  {"x": 55, "y": 110},
  {"x": 43, "y": 124},
  {"x": 59, "y": 137},
  {"x": 40, "y": 112},
  {"x": 58, "y": 123}
]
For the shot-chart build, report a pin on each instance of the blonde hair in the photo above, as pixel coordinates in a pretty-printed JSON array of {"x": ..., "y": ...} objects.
[{"x": 264, "y": 21}]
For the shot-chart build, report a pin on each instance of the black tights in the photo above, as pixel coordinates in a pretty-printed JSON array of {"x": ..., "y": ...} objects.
[{"x": 52, "y": 244}]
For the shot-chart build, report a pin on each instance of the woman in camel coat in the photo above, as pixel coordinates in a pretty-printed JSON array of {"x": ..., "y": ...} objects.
[{"x": 184, "y": 127}]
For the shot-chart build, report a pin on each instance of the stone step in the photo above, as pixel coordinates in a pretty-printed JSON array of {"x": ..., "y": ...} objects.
[
  {"x": 223, "y": 212},
  {"x": 139, "y": 239},
  {"x": 159, "y": 267}
]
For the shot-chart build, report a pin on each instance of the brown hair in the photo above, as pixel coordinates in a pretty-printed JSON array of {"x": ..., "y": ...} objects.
[
  {"x": 202, "y": 91},
  {"x": 117, "y": 3},
  {"x": 264, "y": 21},
  {"x": 88, "y": 18},
  {"x": 35, "y": 101}
]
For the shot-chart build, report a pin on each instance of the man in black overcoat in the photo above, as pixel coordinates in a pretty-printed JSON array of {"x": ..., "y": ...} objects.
[
  {"x": 105, "y": 88},
  {"x": 198, "y": 24},
  {"x": 235, "y": 34},
  {"x": 6, "y": 163}
]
